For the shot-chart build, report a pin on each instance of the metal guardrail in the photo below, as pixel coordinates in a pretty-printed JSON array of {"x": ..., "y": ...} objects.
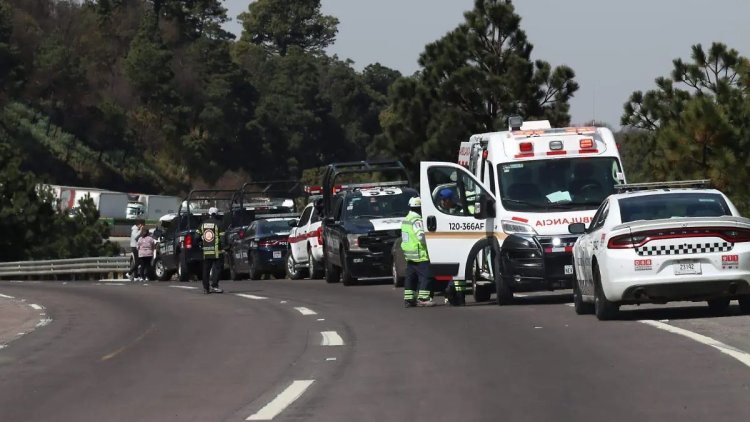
[{"x": 72, "y": 267}]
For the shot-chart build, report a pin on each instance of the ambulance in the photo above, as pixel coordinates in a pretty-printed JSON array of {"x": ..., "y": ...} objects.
[{"x": 499, "y": 217}]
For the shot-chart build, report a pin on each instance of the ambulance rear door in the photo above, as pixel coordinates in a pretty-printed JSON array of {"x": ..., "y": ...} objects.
[{"x": 450, "y": 226}]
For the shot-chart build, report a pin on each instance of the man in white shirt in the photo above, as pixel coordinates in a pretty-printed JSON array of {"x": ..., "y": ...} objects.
[{"x": 135, "y": 233}]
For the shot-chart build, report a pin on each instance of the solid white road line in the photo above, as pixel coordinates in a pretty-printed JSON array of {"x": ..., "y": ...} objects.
[
  {"x": 331, "y": 338},
  {"x": 251, "y": 296},
  {"x": 321, "y": 319},
  {"x": 6, "y": 296},
  {"x": 305, "y": 311},
  {"x": 184, "y": 287},
  {"x": 741, "y": 356},
  {"x": 282, "y": 401},
  {"x": 35, "y": 306}
]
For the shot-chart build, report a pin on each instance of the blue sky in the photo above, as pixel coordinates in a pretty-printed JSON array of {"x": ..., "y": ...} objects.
[{"x": 615, "y": 47}]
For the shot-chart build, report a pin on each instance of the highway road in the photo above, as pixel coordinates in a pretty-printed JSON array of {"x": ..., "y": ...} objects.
[{"x": 304, "y": 350}]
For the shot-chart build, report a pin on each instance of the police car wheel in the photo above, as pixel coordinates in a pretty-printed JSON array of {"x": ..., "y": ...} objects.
[
  {"x": 745, "y": 304},
  {"x": 581, "y": 307},
  {"x": 346, "y": 274},
  {"x": 255, "y": 274},
  {"x": 333, "y": 273},
  {"x": 183, "y": 272},
  {"x": 397, "y": 280},
  {"x": 159, "y": 271},
  {"x": 603, "y": 308},
  {"x": 718, "y": 306}
]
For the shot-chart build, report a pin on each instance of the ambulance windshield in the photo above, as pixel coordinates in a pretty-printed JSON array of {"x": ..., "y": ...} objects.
[{"x": 552, "y": 185}]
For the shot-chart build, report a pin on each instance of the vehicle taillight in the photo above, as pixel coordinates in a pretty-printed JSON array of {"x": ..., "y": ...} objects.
[
  {"x": 242, "y": 234},
  {"x": 188, "y": 241},
  {"x": 736, "y": 235},
  {"x": 526, "y": 147},
  {"x": 485, "y": 154},
  {"x": 586, "y": 143},
  {"x": 627, "y": 241},
  {"x": 319, "y": 235}
]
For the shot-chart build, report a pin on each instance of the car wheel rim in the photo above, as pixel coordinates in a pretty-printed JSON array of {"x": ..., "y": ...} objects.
[
  {"x": 159, "y": 269},
  {"x": 394, "y": 273},
  {"x": 290, "y": 264}
]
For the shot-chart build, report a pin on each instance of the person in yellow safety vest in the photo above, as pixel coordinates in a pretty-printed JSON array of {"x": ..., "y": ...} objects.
[
  {"x": 211, "y": 235},
  {"x": 417, "y": 259}
]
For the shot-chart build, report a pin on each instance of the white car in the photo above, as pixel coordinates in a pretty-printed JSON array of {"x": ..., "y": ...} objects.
[
  {"x": 306, "y": 245},
  {"x": 655, "y": 243}
]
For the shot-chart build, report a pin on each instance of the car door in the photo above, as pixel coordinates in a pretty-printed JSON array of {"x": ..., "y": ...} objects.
[
  {"x": 451, "y": 233},
  {"x": 591, "y": 241},
  {"x": 298, "y": 236}
]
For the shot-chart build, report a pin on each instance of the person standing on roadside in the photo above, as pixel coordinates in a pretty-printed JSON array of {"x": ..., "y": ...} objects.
[
  {"x": 211, "y": 235},
  {"x": 146, "y": 245},
  {"x": 417, "y": 260},
  {"x": 135, "y": 233}
]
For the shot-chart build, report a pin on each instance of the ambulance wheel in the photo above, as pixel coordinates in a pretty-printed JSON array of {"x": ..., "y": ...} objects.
[
  {"x": 346, "y": 274},
  {"x": 603, "y": 308},
  {"x": 292, "y": 272},
  {"x": 316, "y": 271},
  {"x": 581, "y": 307},
  {"x": 504, "y": 293},
  {"x": 183, "y": 271},
  {"x": 333, "y": 273},
  {"x": 482, "y": 292}
]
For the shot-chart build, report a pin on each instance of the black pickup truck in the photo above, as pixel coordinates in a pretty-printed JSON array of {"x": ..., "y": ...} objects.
[
  {"x": 362, "y": 220},
  {"x": 253, "y": 201},
  {"x": 180, "y": 249}
]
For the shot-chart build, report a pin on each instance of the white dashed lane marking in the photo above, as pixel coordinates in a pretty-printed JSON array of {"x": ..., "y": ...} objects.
[
  {"x": 37, "y": 307},
  {"x": 251, "y": 296},
  {"x": 184, "y": 287},
  {"x": 740, "y": 355},
  {"x": 331, "y": 338},
  {"x": 282, "y": 401},
  {"x": 6, "y": 296},
  {"x": 305, "y": 311}
]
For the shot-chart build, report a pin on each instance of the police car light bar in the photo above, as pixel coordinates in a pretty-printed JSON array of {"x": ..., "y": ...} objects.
[
  {"x": 373, "y": 185},
  {"x": 683, "y": 184},
  {"x": 285, "y": 215}
]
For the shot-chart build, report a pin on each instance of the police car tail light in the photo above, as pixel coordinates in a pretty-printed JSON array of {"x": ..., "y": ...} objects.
[
  {"x": 319, "y": 235},
  {"x": 736, "y": 235},
  {"x": 188, "y": 242},
  {"x": 627, "y": 241},
  {"x": 242, "y": 234},
  {"x": 526, "y": 147}
]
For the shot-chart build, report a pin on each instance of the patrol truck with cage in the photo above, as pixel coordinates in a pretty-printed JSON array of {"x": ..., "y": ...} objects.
[
  {"x": 362, "y": 220},
  {"x": 515, "y": 192}
]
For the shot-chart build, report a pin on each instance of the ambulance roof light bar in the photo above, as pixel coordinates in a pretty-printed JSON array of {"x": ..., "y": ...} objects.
[{"x": 682, "y": 184}]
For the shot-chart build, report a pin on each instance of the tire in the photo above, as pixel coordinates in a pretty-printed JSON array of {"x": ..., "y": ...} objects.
[
  {"x": 233, "y": 274},
  {"x": 744, "y": 304},
  {"x": 718, "y": 306},
  {"x": 160, "y": 272},
  {"x": 253, "y": 271},
  {"x": 603, "y": 308},
  {"x": 183, "y": 270},
  {"x": 482, "y": 293},
  {"x": 292, "y": 272},
  {"x": 346, "y": 274},
  {"x": 314, "y": 268},
  {"x": 333, "y": 273},
  {"x": 581, "y": 307},
  {"x": 397, "y": 280}
]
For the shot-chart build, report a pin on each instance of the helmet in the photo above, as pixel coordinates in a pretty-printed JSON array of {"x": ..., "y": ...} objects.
[
  {"x": 213, "y": 211},
  {"x": 415, "y": 202},
  {"x": 445, "y": 194}
]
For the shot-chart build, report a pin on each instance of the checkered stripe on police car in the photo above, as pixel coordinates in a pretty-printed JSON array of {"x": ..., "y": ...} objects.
[{"x": 685, "y": 249}]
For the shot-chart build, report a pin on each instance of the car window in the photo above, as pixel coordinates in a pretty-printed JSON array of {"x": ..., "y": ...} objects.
[
  {"x": 274, "y": 227},
  {"x": 453, "y": 191},
  {"x": 303, "y": 220},
  {"x": 251, "y": 229},
  {"x": 378, "y": 204},
  {"x": 673, "y": 205},
  {"x": 600, "y": 216}
]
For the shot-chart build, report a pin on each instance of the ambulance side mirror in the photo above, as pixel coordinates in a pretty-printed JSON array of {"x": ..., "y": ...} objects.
[{"x": 484, "y": 207}]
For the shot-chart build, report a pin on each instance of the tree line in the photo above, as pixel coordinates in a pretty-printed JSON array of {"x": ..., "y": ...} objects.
[{"x": 155, "y": 96}]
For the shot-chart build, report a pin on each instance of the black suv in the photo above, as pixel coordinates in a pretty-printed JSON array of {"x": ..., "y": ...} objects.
[{"x": 362, "y": 220}]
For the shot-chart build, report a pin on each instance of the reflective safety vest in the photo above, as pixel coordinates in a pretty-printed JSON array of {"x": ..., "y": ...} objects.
[
  {"x": 412, "y": 238},
  {"x": 210, "y": 237}
]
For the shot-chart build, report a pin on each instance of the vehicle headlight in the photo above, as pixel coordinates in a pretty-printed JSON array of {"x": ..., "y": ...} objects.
[
  {"x": 514, "y": 227},
  {"x": 353, "y": 240}
]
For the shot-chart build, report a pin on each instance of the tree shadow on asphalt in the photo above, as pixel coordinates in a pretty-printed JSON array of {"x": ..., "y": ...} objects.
[{"x": 547, "y": 299}]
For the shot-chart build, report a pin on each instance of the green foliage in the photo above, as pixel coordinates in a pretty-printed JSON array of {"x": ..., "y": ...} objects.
[
  {"x": 278, "y": 25},
  {"x": 471, "y": 80},
  {"x": 695, "y": 124}
]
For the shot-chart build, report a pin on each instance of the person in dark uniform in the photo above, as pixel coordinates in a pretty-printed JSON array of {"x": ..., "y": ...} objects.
[{"x": 211, "y": 235}]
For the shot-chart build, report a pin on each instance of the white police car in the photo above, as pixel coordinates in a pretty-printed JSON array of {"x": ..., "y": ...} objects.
[{"x": 661, "y": 242}]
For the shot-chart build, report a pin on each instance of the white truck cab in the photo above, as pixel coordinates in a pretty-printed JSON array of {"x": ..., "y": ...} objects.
[{"x": 499, "y": 218}]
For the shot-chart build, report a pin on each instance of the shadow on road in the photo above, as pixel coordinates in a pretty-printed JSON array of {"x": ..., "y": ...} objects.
[{"x": 694, "y": 311}]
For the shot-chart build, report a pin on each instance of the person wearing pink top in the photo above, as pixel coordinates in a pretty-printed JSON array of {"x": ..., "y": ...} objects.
[{"x": 146, "y": 245}]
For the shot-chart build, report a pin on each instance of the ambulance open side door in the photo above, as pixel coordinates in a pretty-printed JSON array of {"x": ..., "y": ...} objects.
[{"x": 449, "y": 194}]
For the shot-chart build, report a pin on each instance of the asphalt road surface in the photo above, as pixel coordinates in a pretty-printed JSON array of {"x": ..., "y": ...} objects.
[{"x": 304, "y": 350}]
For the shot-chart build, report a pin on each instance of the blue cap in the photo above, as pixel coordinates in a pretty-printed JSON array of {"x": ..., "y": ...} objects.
[{"x": 445, "y": 194}]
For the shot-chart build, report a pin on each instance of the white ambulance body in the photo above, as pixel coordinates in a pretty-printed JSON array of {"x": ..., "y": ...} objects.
[{"x": 538, "y": 180}]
